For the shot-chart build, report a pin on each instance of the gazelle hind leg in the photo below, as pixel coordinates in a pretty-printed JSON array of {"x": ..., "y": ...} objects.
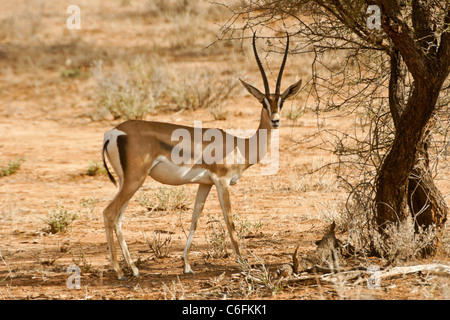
[
  {"x": 116, "y": 207},
  {"x": 109, "y": 228},
  {"x": 131, "y": 178},
  {"x": 109, "y": 218},
  {"x": 123, "y": 244},
  {"x": 113, "y": 215},
  {"x": 202, "y": 194}
]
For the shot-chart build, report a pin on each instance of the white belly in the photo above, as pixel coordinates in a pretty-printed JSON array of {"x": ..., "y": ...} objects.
[{"x": 166, "y": 172}]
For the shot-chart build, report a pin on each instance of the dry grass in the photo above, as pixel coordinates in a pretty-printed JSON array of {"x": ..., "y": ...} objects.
[
  {"x": 159, "y": 244},
  {"x": 205, "y": 90},
  {"x": 403, "y": 243},
  {"x": 164, "y": 199},
  {"x": 147, "y": 85},
  {"x": 53, "y": 85},
  {"x": 132, "y": 92},
  {"x": 216, "y": 238}
]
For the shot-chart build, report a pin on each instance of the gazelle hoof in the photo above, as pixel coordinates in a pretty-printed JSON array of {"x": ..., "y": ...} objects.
[
  {"x": 188, "y": 270},
  {"x": 136, "y": 273}
]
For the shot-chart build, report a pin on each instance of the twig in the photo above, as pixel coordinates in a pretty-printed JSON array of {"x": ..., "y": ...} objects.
[{"x": 7, "y": 266}]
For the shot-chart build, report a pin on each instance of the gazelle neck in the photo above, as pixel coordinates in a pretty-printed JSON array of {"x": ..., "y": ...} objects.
[
  {"x": 264, "y": 122},
  {"x": 262, "y": 138}
]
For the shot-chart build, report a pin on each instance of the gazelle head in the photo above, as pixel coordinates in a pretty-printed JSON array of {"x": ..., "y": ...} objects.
[{"x": 272, "y": 103}]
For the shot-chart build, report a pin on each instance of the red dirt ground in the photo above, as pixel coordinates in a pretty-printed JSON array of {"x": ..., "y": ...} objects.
[{"x": 47, "y": 120}]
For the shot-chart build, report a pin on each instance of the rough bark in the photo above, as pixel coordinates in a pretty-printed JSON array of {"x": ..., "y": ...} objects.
[
  {"x": 393, "y": 178},
  {"x": 427, "y": 205},
  {"x": 404, "y": 183},
  {"x": 425, "y": 202}
]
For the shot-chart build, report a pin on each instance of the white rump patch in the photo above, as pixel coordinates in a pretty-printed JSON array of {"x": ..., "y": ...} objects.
[{"x": 112, "y": 152}]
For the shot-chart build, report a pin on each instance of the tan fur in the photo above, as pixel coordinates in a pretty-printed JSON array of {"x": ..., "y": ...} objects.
[{"x": 136, "y": 149}]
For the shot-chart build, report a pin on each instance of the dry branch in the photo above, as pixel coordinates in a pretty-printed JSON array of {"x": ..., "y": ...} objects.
[
  {"x": 323, "y": 265},
  {"x": 362, "y": 275}
]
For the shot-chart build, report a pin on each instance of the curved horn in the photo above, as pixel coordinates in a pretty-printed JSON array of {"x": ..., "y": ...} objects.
[
  {"x": 280, "y": 74},
  {"x": 261, "y": 69}
]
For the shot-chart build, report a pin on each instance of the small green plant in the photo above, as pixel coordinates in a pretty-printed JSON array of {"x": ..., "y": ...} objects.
[
  {"x": 71, "y": 73},
  {"x": 95, "y": 168},
  {"x": 12, "y": 167},
  {"x": 87, "y": 205},
  {"x": 60, "y": 219},
  {"x": 72, "y": 70},
  {"x": 82, "y": 262},
  {"x": 166, "y": 199},
  {"x": 245, "y": 228},
  {"x": 216, "y": 238}
]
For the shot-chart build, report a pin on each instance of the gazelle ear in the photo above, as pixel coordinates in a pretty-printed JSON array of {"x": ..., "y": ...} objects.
[
  {"x": 292, "y": 90},
  {"x": 253, "y": 91}
]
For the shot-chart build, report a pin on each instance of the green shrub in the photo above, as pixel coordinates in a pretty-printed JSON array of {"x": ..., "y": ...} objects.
[
  {"x": 59, "y": 220},
  {"x": 12, "y": 167},
  {"x": 95, "y": 168}
]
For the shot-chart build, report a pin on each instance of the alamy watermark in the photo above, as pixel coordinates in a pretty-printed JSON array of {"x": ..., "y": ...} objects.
[
  {"x": 74, "y": 20},
  {"x": 222, "y": 147},
  {"x": 374, "y": 281},
  {"x": 74, "y": 280},
  {"x": 374, "y": 19}
]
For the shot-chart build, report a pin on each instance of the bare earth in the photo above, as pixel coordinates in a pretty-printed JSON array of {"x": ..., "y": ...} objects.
[{"x": 48, "y": 120}]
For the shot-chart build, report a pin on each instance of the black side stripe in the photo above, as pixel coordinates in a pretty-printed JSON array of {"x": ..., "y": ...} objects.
[{"x": 121, "y": 146}]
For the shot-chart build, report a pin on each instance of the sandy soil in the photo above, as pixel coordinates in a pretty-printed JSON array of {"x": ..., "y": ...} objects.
[{"x": 47, "y": 120}]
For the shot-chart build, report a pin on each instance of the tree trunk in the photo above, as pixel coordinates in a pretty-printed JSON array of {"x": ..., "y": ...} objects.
[
  {"x": 425, "y": 202},
  {"x": 393, "y": 178},
  {"x": 404, "y": 183}
]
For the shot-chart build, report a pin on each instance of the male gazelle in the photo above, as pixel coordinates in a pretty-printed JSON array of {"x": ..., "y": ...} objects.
[{"x": 136, "y": 149}]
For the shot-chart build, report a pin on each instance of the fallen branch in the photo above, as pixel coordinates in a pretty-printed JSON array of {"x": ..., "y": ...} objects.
[
  {"x": 362, "y": 275},
  {"x": 402, "y": 271}
]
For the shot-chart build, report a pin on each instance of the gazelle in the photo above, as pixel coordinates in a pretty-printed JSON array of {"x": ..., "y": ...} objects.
[{"x": 136, "y": 149}]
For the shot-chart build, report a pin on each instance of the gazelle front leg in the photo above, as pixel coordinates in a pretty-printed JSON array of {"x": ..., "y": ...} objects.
[
  {"x": 224, "y": 199},
  {"x": 200, "y": 199}
]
